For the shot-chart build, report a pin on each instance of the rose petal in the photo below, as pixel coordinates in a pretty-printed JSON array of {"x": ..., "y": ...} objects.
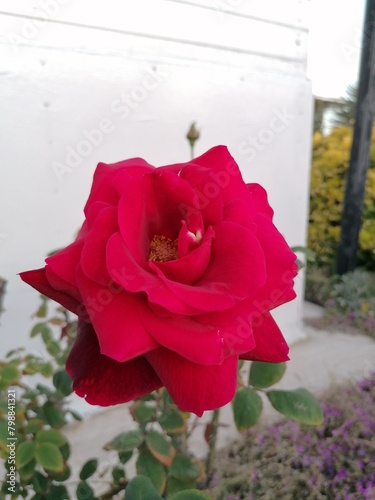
[
  {"x": 270, "y": 344},
  {"x": 38, "y": 280},
  {"x": 102, "y": 380},
  {"x": 115, "y": 315},
  {"x": 260, "y": 200},
  {"x": 237, "y": 261},
  {"x": 195, "y": 387},
  {"x": 240, "y": 212},
  {"x": 281, "y": 266},
  {"x": 109, "y": 180},
  {"x": 198, "y": 341},
  {"x": 224, "y": 173},
  {"x": 208, "y": 200},
  {"x": 63, "y": 263},
  {"x": 93, "y": 258},
  {"x": 59, "y": 284}
]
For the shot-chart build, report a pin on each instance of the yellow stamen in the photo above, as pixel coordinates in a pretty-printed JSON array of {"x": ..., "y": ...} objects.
[{"x": 163, "y": 249}]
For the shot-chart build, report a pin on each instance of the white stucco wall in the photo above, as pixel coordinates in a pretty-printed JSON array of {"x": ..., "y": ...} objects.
[{"x": 142, "y": 73}]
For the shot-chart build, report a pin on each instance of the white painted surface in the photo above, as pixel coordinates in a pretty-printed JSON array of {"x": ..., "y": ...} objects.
[{"x": 237, "y": 68}]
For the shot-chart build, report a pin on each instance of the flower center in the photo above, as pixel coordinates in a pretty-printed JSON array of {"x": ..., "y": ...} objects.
[{"x": 163, "y": 249}]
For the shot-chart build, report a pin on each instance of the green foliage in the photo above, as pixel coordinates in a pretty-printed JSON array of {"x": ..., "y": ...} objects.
[
  {"x": 141, "y": 488},
  {"x": 330, "y": 161},
  {"x": 247, "y": 407},
  {"x": 42, "y": 451},
  {"x": 88, "y": 469},
  {"x": 185, "y": 469},
  {"x": 263, "y": 375},
  {"x": 191, "y": 495},
  {"x": 299, "y": 405}
]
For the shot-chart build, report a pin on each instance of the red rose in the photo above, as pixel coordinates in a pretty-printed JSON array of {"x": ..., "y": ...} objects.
[{"x": 172, "y": 275}]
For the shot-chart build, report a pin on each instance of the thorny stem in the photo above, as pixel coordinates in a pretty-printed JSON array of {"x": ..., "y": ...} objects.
[{"x": 211, "y": 457}]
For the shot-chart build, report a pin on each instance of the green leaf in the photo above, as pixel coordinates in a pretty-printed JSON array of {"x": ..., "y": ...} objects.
[
  {"x": 160, "y": 448},
  {"x": 118, "y": 474},
  {"x": 167, "y": 400},
  {"x": 126, "y": 441},
  {"x": 142, "y": 412},
  {"x": 299, "y": 405},
  {"x": 173, "y": 422},
  {"x": 51, "y": 436},
  {"x": 151, "y": 396},
  {"x": 3, "y": 407},
  {"x": 247, "y": 407},
  {"x": 125, "y": 456},
  {"x": 40, "y": 483},
  {"x": 147, "y": 465},
  {"x": 184, "y": 469},
  {"x": 46, "y": 369},
  {"x": 42, "y": 311},
  {"x": 63, "y": 382},
  {"x": 47, "y": 335},
  {"x": 12, "y": 352},
  {"x": 27, "y": 472},
  {"x": 141, "y": 488},
  {"x": 84, "y": 491},
  {"x": 49, "y": 457},
  {"x": 10, "y": 373},
  {"x": 43, "y": 329},
  {"x": 54, "y": 416},
  {"x": 25, "y": 452},
  {"x": 65, "y": 450},
  {"x": 44, "y": 389},
  {"x": 88, "y": 469},
  {"x": 191, "y": 495},
  {"x": 4, "y": 432},
  {"x": 175, "y": 486},
  {"x": 4, "y": 384},
  {"x": 58, "y": 492},
  {"x": 53, "y": 348},
  {"x": 263, "y": 375},
  {"x": 64, "y": 475},
  {"x": 34, "y": 426},
  {"x": 76, "y": 415}
]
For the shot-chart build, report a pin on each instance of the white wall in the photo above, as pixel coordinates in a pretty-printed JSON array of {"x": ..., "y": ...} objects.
[{"x": 146, "y": 71}]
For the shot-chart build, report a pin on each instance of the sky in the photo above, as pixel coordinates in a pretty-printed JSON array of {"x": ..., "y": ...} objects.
[{"x": 334, "y": 45}]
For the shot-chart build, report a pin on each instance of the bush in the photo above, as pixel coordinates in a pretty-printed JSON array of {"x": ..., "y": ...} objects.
[
  {"x": 289, "y": 461},
  {"x": 318, "y": 284},
  {"x": 330, "y": 161},
  {"x": 351, "y": 302}
]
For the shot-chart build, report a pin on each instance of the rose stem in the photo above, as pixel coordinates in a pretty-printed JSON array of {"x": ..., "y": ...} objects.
[{"x": 211, "y": 457}]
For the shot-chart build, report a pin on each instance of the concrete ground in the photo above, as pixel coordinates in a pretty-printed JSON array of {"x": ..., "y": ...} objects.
[{"x": 319, "y": 360}]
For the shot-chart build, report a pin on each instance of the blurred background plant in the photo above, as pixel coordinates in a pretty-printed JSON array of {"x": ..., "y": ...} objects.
[
  {"x": 349, "y": 302},
  {"x": 330, "y": 159}
]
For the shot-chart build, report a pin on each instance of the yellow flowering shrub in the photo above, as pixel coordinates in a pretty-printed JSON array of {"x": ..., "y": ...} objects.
[{"x": 330, "y": 160}]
